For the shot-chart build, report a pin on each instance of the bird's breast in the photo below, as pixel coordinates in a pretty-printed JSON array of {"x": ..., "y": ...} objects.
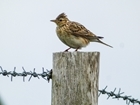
[
  {"x": 69, "y": 39},
  {"x": 61, "y": 30},
  {"x": 62, "y": 34}
]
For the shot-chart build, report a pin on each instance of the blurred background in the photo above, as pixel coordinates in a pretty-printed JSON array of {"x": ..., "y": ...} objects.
[{"x": 28, "y": 39}]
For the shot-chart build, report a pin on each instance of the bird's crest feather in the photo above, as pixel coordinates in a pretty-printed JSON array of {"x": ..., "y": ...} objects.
[{"x": 62, "y": 15}]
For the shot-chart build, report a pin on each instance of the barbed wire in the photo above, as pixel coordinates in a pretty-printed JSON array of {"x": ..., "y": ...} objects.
[
  {"x": 47, "y": 75},
  {"x": 119, "y": 95}
]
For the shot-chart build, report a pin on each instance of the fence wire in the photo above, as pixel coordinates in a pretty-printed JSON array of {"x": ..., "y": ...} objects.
[
  {"x": 119, "y": 95},
  {"x": 47, "y": 75}
]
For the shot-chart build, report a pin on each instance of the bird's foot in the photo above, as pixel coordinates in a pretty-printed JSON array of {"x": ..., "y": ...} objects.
[
  {"x": 76, "y": 50},
  {"x": 67, "y": 50}
]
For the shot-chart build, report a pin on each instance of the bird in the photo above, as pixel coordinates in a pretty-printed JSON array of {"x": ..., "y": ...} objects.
[{"x": 74, "y": 34}]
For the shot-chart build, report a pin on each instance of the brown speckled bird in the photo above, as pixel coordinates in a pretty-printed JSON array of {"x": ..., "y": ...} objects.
[{"x": 74, "y": 34}]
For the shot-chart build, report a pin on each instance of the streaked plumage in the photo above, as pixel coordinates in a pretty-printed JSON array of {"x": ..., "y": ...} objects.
[{"x": 74, "y": 34}]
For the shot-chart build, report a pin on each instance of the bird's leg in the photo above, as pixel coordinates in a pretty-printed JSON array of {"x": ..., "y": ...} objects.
[
  {"x": 77, "y": 49},
  {"x": 67, "y": 49}
]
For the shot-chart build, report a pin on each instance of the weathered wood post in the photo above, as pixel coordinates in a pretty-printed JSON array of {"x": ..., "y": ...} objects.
[{"x": 75, "y": 78}]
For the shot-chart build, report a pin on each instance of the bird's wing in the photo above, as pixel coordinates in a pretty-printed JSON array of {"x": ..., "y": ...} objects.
[{"x": 79, "y": 30}]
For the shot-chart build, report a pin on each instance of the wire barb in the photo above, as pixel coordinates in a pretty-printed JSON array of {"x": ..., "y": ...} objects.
[
  {"x": 45, "y": 74},
  {"x": 118, "y": 96}
]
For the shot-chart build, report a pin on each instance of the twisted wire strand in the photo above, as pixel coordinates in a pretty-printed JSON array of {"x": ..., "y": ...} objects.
[
  {"x": 47, "y": 75},
  {"x": 118, "y": 96}
]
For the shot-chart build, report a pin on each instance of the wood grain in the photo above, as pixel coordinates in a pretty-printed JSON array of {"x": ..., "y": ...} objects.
[{"x": 75, "y": 78}]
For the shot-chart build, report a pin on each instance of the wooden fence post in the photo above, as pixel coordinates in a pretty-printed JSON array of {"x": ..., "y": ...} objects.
[{"x": 75, "y": 78}]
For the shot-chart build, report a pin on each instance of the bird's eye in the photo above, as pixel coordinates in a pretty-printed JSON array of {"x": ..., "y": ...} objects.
[{"x": 60, "y": 19}]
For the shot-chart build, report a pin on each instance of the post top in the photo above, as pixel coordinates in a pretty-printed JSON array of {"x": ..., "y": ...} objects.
[{"x": 75, "y": 52}]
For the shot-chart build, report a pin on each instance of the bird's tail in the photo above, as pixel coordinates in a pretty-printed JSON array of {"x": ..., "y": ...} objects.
[
  {"x": 104, "y": 43},
  {"x": 100, "y": 37},
  {"x": 97, "y": 39}
]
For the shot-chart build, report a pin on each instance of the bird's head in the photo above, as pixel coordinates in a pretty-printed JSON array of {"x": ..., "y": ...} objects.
[{"x": 61, "y": 20}]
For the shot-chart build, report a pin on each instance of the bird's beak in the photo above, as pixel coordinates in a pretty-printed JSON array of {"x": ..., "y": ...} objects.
[{"x": 53, "y": 21}]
